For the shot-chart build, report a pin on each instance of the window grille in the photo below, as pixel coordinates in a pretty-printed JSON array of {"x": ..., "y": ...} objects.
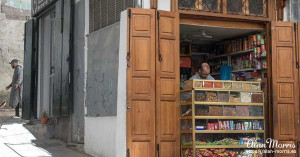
[{"x": 106, "y": 12}]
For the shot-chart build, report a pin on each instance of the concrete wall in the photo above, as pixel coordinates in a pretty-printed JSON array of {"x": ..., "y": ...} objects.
[
  {"x": 16, "y": 9},
  {"x": 106, "y": 136},
  {"x": 11, "y": 41}
]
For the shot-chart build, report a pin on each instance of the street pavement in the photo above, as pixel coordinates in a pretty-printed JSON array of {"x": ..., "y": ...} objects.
[{"x": 17, "y": 141}]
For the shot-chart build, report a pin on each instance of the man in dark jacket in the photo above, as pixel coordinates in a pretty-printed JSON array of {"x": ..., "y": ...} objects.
[{"x": 16, "y": 86}]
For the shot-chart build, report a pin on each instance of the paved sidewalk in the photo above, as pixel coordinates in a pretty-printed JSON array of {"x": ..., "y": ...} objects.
[{"x": 17, "y": 141}]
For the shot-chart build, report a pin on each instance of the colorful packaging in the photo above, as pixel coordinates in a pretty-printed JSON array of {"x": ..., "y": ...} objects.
[{"x": 216, "y": 126}]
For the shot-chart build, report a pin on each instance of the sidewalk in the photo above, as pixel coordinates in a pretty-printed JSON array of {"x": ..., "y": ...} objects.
[{"x": 17, "y": 141}]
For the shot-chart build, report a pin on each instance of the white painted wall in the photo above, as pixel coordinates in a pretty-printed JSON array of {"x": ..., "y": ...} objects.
[
  {"x": 106, "y": 136},
  {"x": 164, "y": 5},
  {"x": 146, "y": 4}
]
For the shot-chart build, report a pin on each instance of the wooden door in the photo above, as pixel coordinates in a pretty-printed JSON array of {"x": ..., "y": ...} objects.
[
  {"x": 285, "y": 82},
  {"x": 167, "y": 85},
  {"x": 141, "y": 83}
]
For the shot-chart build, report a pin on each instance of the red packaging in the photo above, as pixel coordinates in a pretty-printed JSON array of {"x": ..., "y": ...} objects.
[
  {"x": 185, "y": 62},
  {"x": 263, "y": 47},
  {"x": 216, "y": 126},
  {"x": 221, "y": 125}
]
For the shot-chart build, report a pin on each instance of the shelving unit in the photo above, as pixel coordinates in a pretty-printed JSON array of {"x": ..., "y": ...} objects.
[{"x": 204, "y": 86}]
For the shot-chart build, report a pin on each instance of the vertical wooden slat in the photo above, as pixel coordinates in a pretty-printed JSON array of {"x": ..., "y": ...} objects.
[
  {"x": 167, "y": 84},
  {"x": 285, "y": 83},
  {"x": 224, "y": 6},
  {"x": 141, "y": 83}
]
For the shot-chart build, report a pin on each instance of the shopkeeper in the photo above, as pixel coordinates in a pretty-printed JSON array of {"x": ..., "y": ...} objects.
[{"x": 203, "y": 72}]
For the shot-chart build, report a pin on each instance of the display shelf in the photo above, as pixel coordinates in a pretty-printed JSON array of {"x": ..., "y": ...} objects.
[
  {"x": 240, "y": 52},
  {"x": 228, "y": 117},
  {"x": 222, "y": 146},
  {"x": 227, "y": 103},
  {"x": 186, "y": 131},
  {"x": 228, "y": 131},
  {"x": 221, "y": 103},
  {"x": 186, "y": 117},
  {"x": 228, "y": 90},
  {"x": 241, "y": 94},
  {"x": 242, "y": 70}
]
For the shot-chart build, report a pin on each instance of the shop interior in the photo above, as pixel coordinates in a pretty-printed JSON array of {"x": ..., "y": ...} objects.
[{"x": 227, "y": 113}]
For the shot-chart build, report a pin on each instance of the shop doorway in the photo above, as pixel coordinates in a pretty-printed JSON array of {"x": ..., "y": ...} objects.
[
  {"x": 46, "y": 66},
  {"x": 234, "y": 54}
]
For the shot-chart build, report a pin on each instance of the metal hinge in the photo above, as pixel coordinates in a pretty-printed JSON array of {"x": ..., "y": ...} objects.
[
  {"x": 128, "y": 152},
  {"x": 128, "y": 59},
  {"x": 129, "y": 13},
  {"x": 158, "y": 15}
]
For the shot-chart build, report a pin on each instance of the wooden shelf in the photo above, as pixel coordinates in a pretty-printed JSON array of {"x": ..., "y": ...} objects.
[
  {"x": 185, "y": 103},
  {"x": 219, "y": 56},
  {"x": 228, "y": 131},
  {"x": 221, "y": 103},
  {"x": 184, "y": 147},
  {"x": 216, "y": 146},
  {"x": 186, "y": 90},
  {"x": 186, "y": 117},
  {"x": 228, "y": 90},
  {"x": 228, "y": 117},
  {"x": 240, "y": 52},
  {"x": 249, "y": 69},
  {"x": 226, "y": 103},
  {"x": 186, "y": 131},
  {"x": 221, "y": 146}
]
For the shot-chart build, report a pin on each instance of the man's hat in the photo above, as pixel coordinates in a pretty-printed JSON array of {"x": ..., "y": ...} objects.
[{"x": 14, "y": 61}]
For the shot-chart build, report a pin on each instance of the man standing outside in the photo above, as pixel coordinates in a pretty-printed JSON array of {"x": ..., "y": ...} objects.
[
  {"x": 16, "y": 86},
  {"x": 203, "y": 72}
]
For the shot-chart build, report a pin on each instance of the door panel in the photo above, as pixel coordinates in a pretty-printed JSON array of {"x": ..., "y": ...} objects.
[
  {"x": 167, "y": 84},
  {"x": 27, "y": 78},
  {"x": 141, "y": 83},
  {"x": 285, "y": 82}
]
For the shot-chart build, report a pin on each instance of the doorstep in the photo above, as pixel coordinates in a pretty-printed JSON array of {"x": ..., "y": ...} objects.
[{"x": 41, "y": 131}]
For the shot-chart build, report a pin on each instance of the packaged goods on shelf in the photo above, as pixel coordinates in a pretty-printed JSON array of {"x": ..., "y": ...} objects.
[
  {"x": 200, "y": 97},
  {"x": 229, "y": 111},
  {"x": 227, "y": 85},
  {"x": 198, "y": 84},
  {"x": 257, "y": 98},
  {"x": 242, "y": 110},
  {"x": 211, "y": 97},
  {"x": 235, "y": 97},
  {"x": 218, "y": 85},
  {"x": 207, "y": 84},
  {"x": 203, "y": 111},
  {"x": 246, "y": 86},
  {"x": 215, "y": 111},
  {"x": 223, "y": 97},
  {"x": 246, "y": 97},
  {"x": 236, "y": 85},
  {"x": 256, "y": 111}
]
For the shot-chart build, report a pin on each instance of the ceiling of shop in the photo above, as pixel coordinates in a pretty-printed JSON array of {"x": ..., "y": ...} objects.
[{"x": 207, "y": 35}]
